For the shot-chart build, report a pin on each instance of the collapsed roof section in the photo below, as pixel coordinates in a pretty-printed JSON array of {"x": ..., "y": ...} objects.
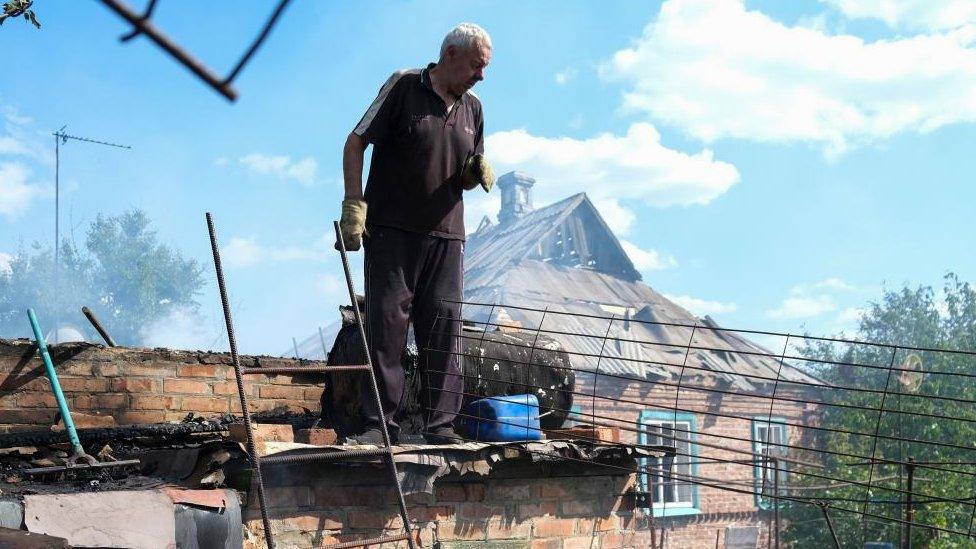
[{"x": 561, "y": 270}]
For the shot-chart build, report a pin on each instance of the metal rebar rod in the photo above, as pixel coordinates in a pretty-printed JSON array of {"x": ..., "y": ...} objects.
[
  {"x": 401, "y": 502},
  {"x": 268, "y": 25},
  {"x": 830, "y": 526},
  {"x": 235, "y": 359},
  {"x": 98, "y": 326},
  {"x": 147, "y": 28}
]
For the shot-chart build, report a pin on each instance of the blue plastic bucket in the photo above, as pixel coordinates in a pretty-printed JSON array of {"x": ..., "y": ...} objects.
[{"x": 503, "y": 419}]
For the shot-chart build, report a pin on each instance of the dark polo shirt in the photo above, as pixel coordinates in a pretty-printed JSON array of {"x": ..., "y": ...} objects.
[{"x": 419, "y": 149}]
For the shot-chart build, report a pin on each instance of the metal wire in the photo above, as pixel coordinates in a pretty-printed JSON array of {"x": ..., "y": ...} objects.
[{"x": 836, "y": 468}]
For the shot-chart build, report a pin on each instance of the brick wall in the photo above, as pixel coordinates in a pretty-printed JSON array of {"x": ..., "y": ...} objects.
[
  {"x": 107, "y": 386},
  {"x": 724, "y": 433},
  {"x": 519, "y": 504}
]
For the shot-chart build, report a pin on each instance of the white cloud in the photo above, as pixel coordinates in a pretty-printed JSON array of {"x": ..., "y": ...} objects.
[
  {"x": 281, "y": 166},
  {"x": 241, "y": 252},
  {"x": 635, "y": 166},
  {"x": 647, "y": 260},
  {"x": 702, "y": 307},
  {"x": 182, "y": 328},
  {"x": 16, "y": 192},
  {"x": 619, "y": 218},
  {"x": 246, "y": 252},
  {"x": 717, "y": 70},
  {"x": 565, "y": 75},
  {"x": 922, "y": 15},
  {"x": 794, "y": 307},
  {"x": 5, "y": 260}
]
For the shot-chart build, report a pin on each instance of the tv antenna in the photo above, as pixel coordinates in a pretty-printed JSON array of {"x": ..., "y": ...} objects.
[{"x": 60, "y": 138}]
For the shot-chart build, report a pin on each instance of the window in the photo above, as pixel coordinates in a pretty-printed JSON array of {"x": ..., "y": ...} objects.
[
  {"x": 769, "y": 438},
  {"x": 668, "y": 481}
]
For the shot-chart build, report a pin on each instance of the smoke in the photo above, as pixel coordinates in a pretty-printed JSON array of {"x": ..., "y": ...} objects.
[{"x": 183, "y": 328}]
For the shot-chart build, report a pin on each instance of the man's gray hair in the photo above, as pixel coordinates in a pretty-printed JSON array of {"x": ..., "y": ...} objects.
[{"x": 464, "y": 37}]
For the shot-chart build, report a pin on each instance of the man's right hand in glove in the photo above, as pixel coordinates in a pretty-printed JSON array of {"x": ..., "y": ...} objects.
[{"x": 352, "y": 224}]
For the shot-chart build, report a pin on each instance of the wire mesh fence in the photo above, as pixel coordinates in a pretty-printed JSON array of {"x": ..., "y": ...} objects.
[{"x": 839, "y": 441}]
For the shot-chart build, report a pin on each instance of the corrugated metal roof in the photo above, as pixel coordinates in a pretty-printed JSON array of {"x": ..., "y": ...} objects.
[{"x": 615, "y": 326}]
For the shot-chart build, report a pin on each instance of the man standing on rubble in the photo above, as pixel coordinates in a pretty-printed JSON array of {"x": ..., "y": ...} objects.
[{"x": 427, "y": 132}]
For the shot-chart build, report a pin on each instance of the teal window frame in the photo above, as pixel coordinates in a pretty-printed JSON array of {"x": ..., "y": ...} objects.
[
  {"x": 665, "y": 509},
  {"x": 757, "y": 470}
]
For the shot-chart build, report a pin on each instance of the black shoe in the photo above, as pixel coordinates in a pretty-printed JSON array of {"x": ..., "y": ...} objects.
[
  {"x": 372, "y": 436},
  {"x": 443, "y": 436}
]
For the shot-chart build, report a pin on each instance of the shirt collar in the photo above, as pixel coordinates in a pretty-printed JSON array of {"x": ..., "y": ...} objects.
[{"x": 425, "y": 80}]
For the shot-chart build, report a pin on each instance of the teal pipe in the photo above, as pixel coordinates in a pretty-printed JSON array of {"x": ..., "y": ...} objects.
[{"x": 52, "y": 376}]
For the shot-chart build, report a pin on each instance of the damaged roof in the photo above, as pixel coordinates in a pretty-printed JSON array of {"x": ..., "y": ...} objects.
[{"x": 563, "y": 259}]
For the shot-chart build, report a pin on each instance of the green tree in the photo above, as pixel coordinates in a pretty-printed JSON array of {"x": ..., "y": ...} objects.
[
  {"x": 125, "y": 275},
  {"x": 913, "y": 425},
  {"x": 19, "y": 8}
]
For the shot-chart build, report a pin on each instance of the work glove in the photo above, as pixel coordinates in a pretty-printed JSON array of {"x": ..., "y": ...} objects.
[
  {"x": 477, "y": 171},
  {"x": 352, "y": 224}
]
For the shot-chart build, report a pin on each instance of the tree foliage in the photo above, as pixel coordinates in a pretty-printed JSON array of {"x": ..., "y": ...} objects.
[
  {"x": 124, "y": 274},
  {"x": 909, "y": 317},
  {"x": 19, "y": 8}
]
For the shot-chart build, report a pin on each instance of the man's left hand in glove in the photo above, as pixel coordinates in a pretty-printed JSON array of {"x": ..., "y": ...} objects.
[{"x": 477, "y": 171}]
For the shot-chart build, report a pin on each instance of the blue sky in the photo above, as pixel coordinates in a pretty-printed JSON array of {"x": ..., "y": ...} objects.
[{"x": 772, "y": 164}]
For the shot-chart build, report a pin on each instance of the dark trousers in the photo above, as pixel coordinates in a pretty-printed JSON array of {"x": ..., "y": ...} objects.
[{"x": 408, "y": 278}]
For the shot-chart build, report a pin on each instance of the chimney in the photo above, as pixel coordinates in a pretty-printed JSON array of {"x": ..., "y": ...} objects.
[{"x": 516, "y": 190}]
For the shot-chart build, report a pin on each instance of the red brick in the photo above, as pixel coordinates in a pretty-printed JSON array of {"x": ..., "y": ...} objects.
[
  {"x": 40, "y": 416},
  {"x": 433, "y": 512},
  {"x": 110, "y": 401},
  {"x": 153, "y": 402},
  {"x": 550, "y": 527},
  {"x": 464, "y": 530},
  {"x": 547, "y": 544},
  {"x": 577, "y": 508},
  {"x": 83, "y": 385},
  {"x": 533, "y": 510},
  {"x": 36, "y": 400},
  {"x": 313, "y": 393},
  {"x": 132, "y": 385},
  {"x": 142, "y": 416},
  {"x": 109, "y": 370},
  {"x": 289, "y": 496},
  {"x": 206, "y": 404},
  {"x": 283, "y": 392},
  {"x": 507, "y": 528},
  {"x": 312, "y": 523},
  {"x": 317, "y": 436},
  {"x": 551, "y": 490},
  {"x": 230, "y": 388},
  {"x": 82, "y": 420},
  {"x": 374, "y": 519},
  {"x": 201, "y": 370},
  {"x": 518, "y": 490},
  {"x": 262, "y": 431},
  {"x": 149, "y": 369},
  {"x": 578, "y": 543},
  {"x": 450, "y": 492},
  {"x": 82, "y": 402},
  {"x": 477, "y": 511},
  {"x": 186, "y": 386},
  {"x": 75, "y": 368}
]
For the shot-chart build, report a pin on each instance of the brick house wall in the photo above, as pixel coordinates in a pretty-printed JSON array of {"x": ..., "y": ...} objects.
[
  {"x": 724, "y": 426},
  {"x": 106, "y": 386},
  {"x": 559, "y": 505}
]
